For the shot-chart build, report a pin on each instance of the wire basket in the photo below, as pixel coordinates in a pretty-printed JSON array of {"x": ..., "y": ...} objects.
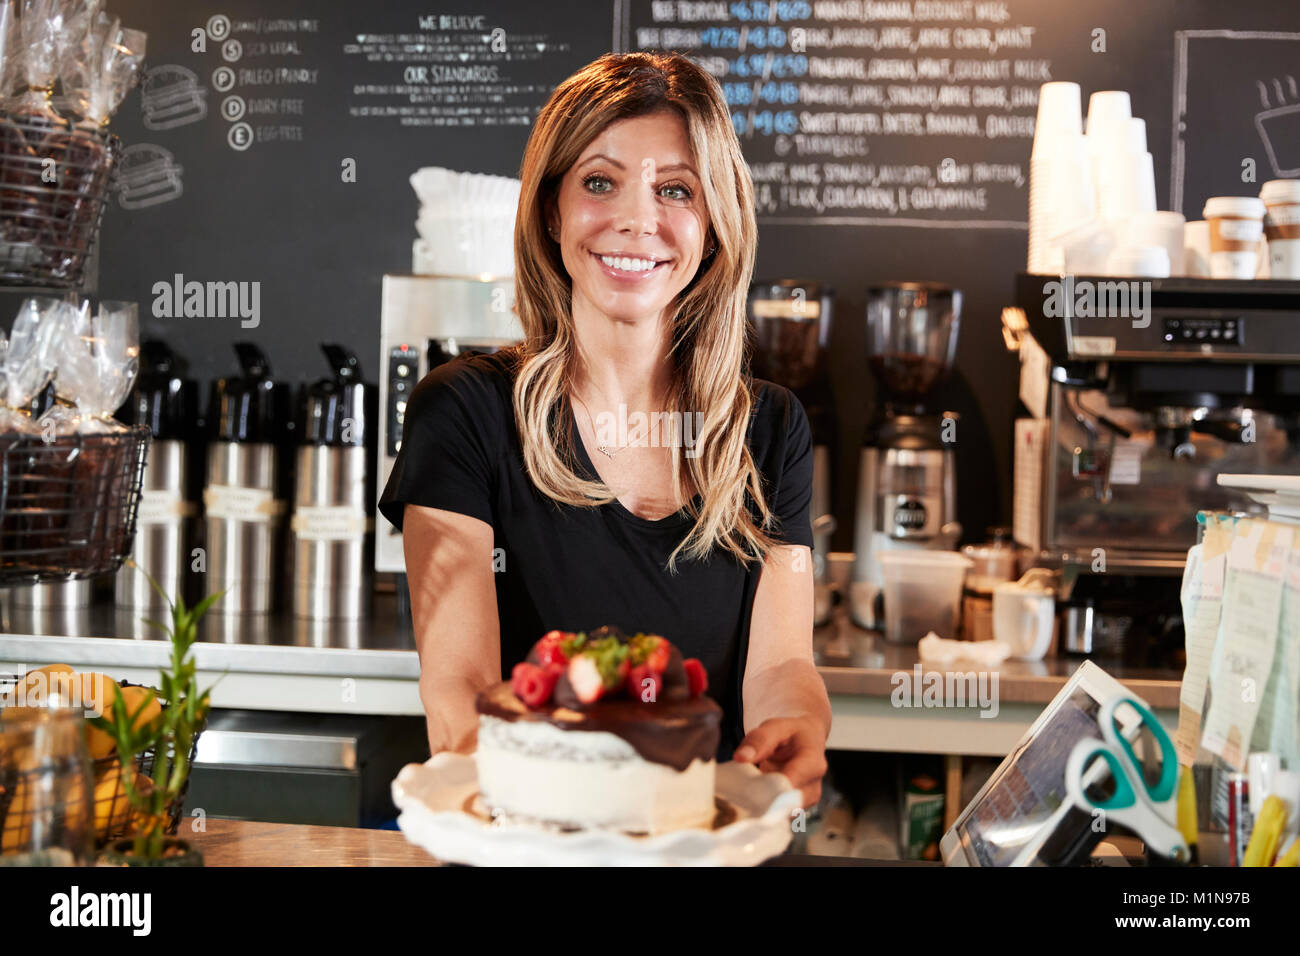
[
  {"x": 54, "y": 182},
  {"x": 110, "y": 809},
  {"x": 110, "y": 802},
  {"x": 68, "y": 505}
]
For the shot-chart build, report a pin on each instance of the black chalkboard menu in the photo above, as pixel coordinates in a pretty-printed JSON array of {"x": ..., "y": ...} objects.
[
  {"x": 865, "y": 114},
  {"x": 271, "y": 142}
]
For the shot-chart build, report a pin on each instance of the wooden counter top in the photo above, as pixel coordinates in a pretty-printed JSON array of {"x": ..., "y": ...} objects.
[{"x": 248, "y": 843}]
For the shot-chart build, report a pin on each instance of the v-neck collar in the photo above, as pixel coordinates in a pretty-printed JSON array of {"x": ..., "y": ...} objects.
[{"x": 616, "y": 506}]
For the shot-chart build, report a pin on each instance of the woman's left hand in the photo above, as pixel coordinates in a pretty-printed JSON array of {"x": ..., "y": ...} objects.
[{"x": 794, "y": 746}]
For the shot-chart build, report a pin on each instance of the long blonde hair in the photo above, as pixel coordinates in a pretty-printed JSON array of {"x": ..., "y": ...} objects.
[{"x": 709, "y": 337}]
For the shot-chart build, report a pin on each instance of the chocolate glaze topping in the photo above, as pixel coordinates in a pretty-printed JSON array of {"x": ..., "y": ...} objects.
[{"x": 670, "y": 732}]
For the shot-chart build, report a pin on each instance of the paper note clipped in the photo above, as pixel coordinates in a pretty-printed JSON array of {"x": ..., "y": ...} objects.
[
  {"x": 1277, "y": 727},
  {"x": 1202, "y": 597},
  {"x": 1249, "y": 621}
]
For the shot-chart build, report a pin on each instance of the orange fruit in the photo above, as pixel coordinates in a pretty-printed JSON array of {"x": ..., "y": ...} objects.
[
  {"x": 111, "y": 806},
  {"x": 36, "y": 687},
  {"x": 133, "y": 697},
  {"x": 97, "y": 695}
]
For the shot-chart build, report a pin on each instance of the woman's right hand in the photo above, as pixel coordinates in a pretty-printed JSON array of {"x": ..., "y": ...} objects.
[{"x": 454, "y": 610}]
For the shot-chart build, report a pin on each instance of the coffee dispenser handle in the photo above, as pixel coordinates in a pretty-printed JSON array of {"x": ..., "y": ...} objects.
[
  {"x": 157, "y": 356},
  {"x": 342, "y": 361},
  {"x": 252, "y": 360}
]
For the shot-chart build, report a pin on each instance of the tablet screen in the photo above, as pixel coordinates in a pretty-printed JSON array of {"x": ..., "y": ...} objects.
[{"x": 1026, "y": 790}]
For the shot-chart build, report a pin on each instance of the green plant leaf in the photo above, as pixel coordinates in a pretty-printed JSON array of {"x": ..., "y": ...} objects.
[
  {"x": 201, "y": 608},
  {"x": 152, "y": 583},
  {"x": 184, "y": 713},
  {"x": 159, "y": 625}
]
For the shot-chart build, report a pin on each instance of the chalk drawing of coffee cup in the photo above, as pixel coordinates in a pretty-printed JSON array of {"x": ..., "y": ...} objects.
[{"x": 1279, "y": 125}]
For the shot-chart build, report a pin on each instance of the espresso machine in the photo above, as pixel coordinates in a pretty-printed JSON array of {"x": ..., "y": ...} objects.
[
  {"x": 790, "y": 323},
  {"x": 907, "y": 484},
  {"x": 1134, "y": 412},
  {"x": 426, "y": 320}
]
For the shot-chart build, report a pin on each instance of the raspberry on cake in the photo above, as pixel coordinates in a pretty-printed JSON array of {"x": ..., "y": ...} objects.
[{"x": 601, "y": 730}]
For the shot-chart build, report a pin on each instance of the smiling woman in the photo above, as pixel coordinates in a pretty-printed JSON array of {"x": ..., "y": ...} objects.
[
  {"x": 641, "y": 206},
  {"x": 634, "y": 247}
]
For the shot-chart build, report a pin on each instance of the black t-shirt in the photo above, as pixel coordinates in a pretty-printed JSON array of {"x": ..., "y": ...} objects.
[{"x": 577, "y": 568}]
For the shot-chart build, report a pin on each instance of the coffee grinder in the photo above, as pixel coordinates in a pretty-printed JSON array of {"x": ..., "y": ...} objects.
[
  {"x": 790, "y": 321},
  {"x": 907, "y": 495}
]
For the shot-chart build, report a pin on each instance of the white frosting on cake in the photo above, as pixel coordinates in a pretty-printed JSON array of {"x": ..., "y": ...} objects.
[{"x": 533, "y": 770}]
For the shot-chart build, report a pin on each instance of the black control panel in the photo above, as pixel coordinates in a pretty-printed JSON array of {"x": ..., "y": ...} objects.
[
  {"x": 403, "y": 373},
  {"x": 1196, "y": 330}
]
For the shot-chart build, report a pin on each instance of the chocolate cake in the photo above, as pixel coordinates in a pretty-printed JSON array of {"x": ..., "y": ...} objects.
[{"x": 600, "y": 730}]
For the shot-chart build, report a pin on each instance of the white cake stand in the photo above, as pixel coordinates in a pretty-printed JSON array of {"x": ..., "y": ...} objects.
[{"x": 435, "y": 800}]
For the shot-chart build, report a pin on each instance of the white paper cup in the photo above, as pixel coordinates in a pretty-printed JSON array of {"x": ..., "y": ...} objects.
[
  {"x": 1151, "y": 262},
  {"x": 1159, "y": 229},
  {"x": 1108, "y": 108},
  {"x": 1196, "y": 249},
  {"x": 1236, "y": 225},
  {"x": 1126, "y": 185},
  {"x": 1061, "y": 198},
  {"x": 1281, "y": 199},
  {"x": 1137, "y": 135},
  {"x": 1059, "y": 116},
  {"x": 1087, "y": 249}
]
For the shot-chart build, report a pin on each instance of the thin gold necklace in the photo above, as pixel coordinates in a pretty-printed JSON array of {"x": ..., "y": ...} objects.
[{"x": 603, "y": 449}]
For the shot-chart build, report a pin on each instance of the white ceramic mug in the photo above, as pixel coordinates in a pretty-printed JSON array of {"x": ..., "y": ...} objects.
[{"x": 1024, "y": 614}]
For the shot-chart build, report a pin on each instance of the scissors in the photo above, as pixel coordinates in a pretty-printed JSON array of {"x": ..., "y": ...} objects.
[{"x": 1149, "y": 810}]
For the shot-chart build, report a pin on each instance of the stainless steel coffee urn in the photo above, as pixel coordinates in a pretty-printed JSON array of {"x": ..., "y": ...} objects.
[
  {"x": 244, "y": 497},
  {"x": 332, "y": 524},
  {"x": 167, "y": 402}
]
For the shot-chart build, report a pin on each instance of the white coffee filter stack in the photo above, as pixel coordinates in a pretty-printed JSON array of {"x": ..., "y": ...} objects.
[
  {"x": 1061, "y": 198},
  {"x": 466, "y": 223}
]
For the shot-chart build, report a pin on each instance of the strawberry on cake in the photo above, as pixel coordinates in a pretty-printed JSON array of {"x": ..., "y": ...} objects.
[{"x": 600, "y": 730}]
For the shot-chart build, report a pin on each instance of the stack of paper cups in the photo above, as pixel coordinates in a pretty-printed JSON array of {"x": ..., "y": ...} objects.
[
  {"x": 1061, "y": 196},
  {"x": 1126, "y": 185},
  {"x": 1108, "y": 110},
  {"x": 1137, "y": 134},
  {"x": 1059, "y": 115},
  {"x": 1122, "y": 168},
  {"x": 1164, "y": 229}
]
